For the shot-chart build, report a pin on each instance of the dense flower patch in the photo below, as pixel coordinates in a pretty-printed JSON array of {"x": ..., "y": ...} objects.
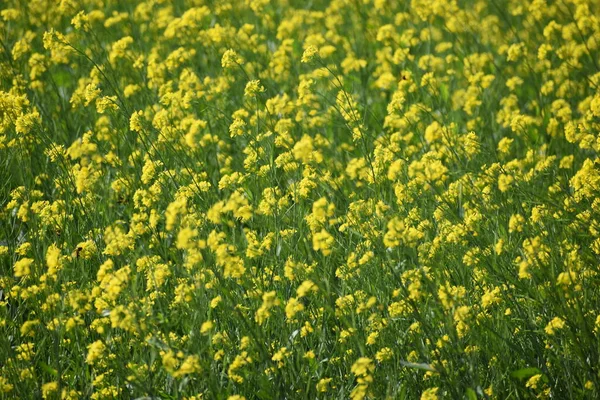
[{"x": 287, "y": 199}]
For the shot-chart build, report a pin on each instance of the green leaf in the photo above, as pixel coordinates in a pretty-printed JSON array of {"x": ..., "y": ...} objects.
[
  {"x": 525, "y": 372},
  {"x": 471, "y": 395},
  {"x": 423, "y": 366},
  {"x": 402, "y": 395},
  {"x": 48, "y": 369}
]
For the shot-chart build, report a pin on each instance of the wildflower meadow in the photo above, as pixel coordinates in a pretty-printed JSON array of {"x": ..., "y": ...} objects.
[{"x": 287, "y": 199}]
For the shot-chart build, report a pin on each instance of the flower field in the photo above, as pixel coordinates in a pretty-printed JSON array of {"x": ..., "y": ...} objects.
[{"x": 282, "y": 199}]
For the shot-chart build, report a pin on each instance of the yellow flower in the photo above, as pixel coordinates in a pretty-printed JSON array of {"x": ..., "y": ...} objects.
[
  {"x": 461, "y": 314},
  {"x": 490, "y": 297},
  {"x": 323, "y": 241},
  {"x": 363, "y": 366},
  {"x": 504, "y": 182},
  {"x": 185, "y": 238},
  {"x": 23, "y": 267},
  {"x": 117, "y": 241},
  {"x": 135, "y": 121},
  {"x": 190, "y": 365},
  {"x": 515, "y": 51},
  {"x": 237, "y": 127},
  {"x": 169, "y": 360},
  {"x": 95, "y": 351},
  {"x": 238, "y": 362},
  {"x": 504, "y": 145},
  {"x": 230, "y": 59},
  {"x": 215, "y": 301},
  {"x": 363, "y": 369},
  {"x": 372, "y": 338},
  {"x": 5, "y": 386},
  {"x": 281, "y": 356},
  {"x": 430, "y": 394},
  {"x": 499, "y": 247},
  {"x": 270, "y": 300},
  {"x": 48, "y": 389},
  {"x": 384, "y": 354},
  {"x": 515, "y": 224},
  {"x": 53, "y": 259},
  {"x": 206, "y": 327},
  {"x": 309, "y": 54},
  {"x": 293, "y": 307},
  {"x": 244, "y": 342},
  {"x": 533, "y": 382},
  {"x": 471, "y": 144},
  {"x": 323, "y": 385},
  {"x": 555, "y": 324},
  {"x": 85, "y": 250},
  {"x": 305, "y": 288},
  {"x": 253, "y": 88},
  {"x": 28, "y": 327}
]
